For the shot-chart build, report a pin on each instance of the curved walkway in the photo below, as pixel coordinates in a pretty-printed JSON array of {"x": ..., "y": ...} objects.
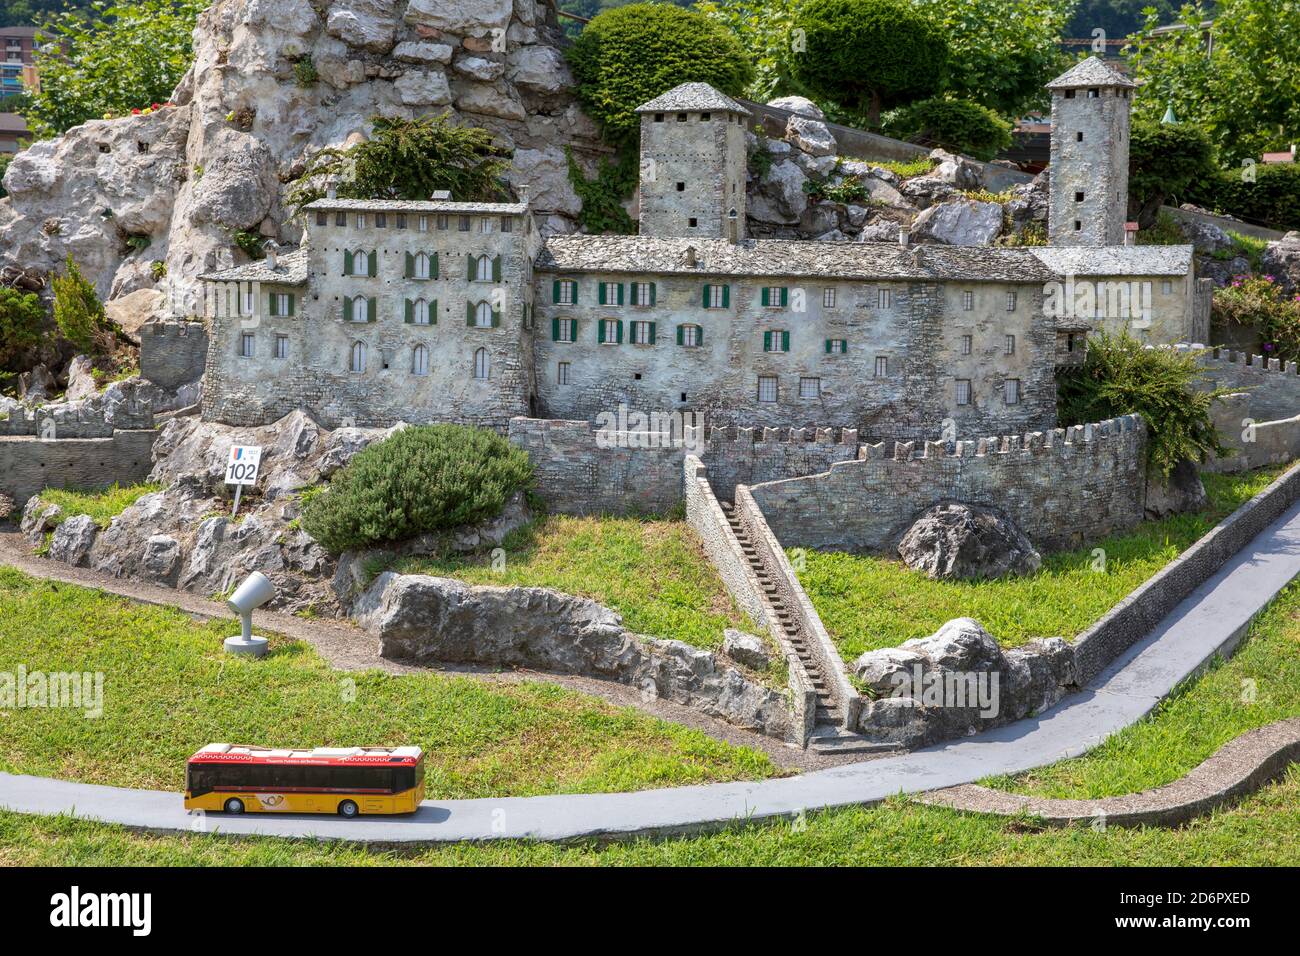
[
  {"x": 1239, "y": 767},
  {"x": 1209, "y": 622}
]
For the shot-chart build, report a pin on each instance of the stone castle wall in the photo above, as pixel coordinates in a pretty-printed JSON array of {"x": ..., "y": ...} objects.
[
  {"x": 1062, "y": 487},
  {"x": 173, "y": 352},
  {"x": 28, "y": 465}
]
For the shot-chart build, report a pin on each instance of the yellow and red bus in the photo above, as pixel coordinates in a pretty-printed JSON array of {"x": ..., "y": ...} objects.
[{"x": 343, "y": 780}]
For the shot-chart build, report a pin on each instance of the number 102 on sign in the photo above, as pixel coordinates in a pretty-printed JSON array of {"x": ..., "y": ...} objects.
[{"x": 242, "y": 468}]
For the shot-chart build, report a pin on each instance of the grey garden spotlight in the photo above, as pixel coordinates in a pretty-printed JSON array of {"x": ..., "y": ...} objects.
[{"x": 252, "y": 594}]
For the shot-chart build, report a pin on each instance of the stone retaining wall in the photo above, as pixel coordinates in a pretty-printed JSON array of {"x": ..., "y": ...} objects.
[
  {"x": 1256, "y": 444},
  {"x": 172, "y": 352},
  {"x": 28, "y": 464}
]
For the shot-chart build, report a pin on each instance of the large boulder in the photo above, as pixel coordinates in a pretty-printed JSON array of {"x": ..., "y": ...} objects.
[
  {"x": 798, "y": 104},
  {"x": 967, "y": 542},
  {"x": 955, "y": 170},
  {"x": 81, "y": 379},
  {"x": 780, "y": 197},
  {"x": 1282, "y": 261},
  {"x": 1206, "y": 238},
  {"x": 747, "y": 649},
  {"x": 130, "y": 312},
  {"x": 810, "y": 135},
  {"x": 961, "y": 223},
  {"x": 1182, "y": 491},
  {"x": 73, "y": 539}
]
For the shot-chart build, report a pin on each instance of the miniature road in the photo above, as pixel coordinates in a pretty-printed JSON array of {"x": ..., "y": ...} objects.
[{"x": 1212, "y": 619}]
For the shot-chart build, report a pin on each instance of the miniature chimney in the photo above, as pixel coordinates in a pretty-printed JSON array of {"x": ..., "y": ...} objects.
[
  {"x": 690, "y": 257},
  {"x": 441, "y": 195},
  {"x": 733, "y": 232},
  {"x": 522, "y": 190},
  {"x": 1130, "y": 233},
  {"x": 272, "y": 254},
  {"x": 903, "y": 236},
  {"x": 332, "y": 192}
]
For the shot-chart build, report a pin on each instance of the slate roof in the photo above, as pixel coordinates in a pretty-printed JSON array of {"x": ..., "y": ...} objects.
[
  {"x": 1116, "y": 260},
  {"x": 692, "y": 96},
  {"x": 417, "y": 206},
  {"x": 291, "y": 269},
  {"x": 1090, "y": 72},
  {"x": 791, "y": 257}
]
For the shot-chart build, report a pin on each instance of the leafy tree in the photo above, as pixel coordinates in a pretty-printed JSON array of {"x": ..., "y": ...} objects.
[
  {"x": 109, "y": 60},
  {"x": 1121, "y": 376},
  {"x": 420, "y": 480},
  {"x": 1271, "y": 195},
  {"x": 21, "y": 319},
  {"x": 410, "y": 159},
  {"x": 1243, "y": 91},
  {"x": 870, "y": 54},
  {"x": 78, "y": 312},
  {"x": 1164, "y": 160},
  {"x": 632, "y": 54},
  {"x": 26, "y": 13},
  {"x": 766, "y": 30},
  {"x": 959, "y": 125},
  {"x": 1118, "y": 18},
  {"x": 4, "y": 168}
]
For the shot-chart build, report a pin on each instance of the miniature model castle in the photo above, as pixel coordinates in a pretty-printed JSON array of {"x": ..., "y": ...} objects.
[{"x": 458, "y": 311}]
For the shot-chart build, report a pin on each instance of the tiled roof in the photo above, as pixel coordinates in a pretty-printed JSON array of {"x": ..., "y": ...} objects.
[
  {"x": 692, "y": 96},
  {"x": 1090, "y": 72},
  {"x": 417, "y": 206},
  {"x": 791, "y": 257},
  {"x": 291, "y": 269},
  {"x": 1116, "y": 260}
]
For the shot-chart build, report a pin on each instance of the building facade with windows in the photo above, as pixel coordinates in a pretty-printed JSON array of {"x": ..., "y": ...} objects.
[{"x": 452, "y": 311}]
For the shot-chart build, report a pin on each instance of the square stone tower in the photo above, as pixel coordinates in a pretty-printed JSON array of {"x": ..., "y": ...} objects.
[
  {"x": 693, "y": 164},
  {"x": 1090, "y": 142}
]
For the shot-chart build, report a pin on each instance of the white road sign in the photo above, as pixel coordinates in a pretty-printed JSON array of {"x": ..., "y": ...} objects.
[{"x": 244, "y": 463}]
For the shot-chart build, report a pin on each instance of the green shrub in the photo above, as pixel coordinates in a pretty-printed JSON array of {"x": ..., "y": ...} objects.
[
  {"x": 1121, "y": 376},
  {"x": 629, "y": 55},
  {"x": 1273, "y": 198},
  {"x": 21, "y": 319},
  {"x": 602, "y": 197},
  {"x": 422, "y": 479},
  {"x": 1258, "y": 302},
  {"x": 78, "y": 312},
  {"x": 957, "y": 125},
  {"x": 870, "y": 54},
  {"x": 5, "y": 159},
  {"x": 1164, "y": 161}
]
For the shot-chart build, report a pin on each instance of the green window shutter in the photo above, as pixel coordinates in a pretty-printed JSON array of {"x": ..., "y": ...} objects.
[
  {"x": 347, "y": 308},
  {"x": 433, "y": 312},
  {"x": 620, "y": 293},
  {"x": 292, "y": 300},
  {"x": 270, "y": 303},
  {"x": 371, "y": 309},
  {"x": 767, "y": 296},
  {"x": 347, "y": 262},
  {"x": 555, "y": 291},
  {"x": 828, "y": 346},
  {"x": 433, "y": 265},
  {"x": 496, "y": 318},
  {"x": 653, "y": 337},
  {"x": 471, "y": 267},
  {"x": 785, "y": 341},
  {"x": 699, "y": 335},
  {"x": 496, "y": 269},
  {"x": 573, "y": 329},
  {"x": 410, "y": 266},
  {"x": 600, "y": 331},
  {"x": 785, "y": 296},
  {"x": 409, "y": 317},
  {"x": 767, "y": 341},
  {"x": 374, "y": 263},
  {"x": 844, "y": 345},
  {"x": 652, "y": 293},
  {"x": 681, "y": 335},
  {"x": 555, "y": 330},
  {"x": 469, "y": 313},
  {"x": 706, "y": 297},
  {"x": 619, "y": 328},
  {"x": 726, "y": 296},
  {"x": 600, "y": 293},
  {"x": 575, "y": 293}
]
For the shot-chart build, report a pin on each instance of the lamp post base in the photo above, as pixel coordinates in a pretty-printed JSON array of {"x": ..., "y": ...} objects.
[{"x": 250, "y": 646}]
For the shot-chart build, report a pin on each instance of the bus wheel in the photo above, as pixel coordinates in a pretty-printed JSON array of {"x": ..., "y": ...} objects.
[
  {"x": 234, "y": 806},
  {"x": 347, "y": 809}
]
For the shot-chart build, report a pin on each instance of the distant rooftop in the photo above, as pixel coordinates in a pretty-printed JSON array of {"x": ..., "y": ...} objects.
[
  {"x": 1090, "y": 72},
  {"x": 291, "y": 269},
  {"x": 418, "y": 206},
  {"x": 692, "y": 96},
  {"x": 1116, "y": 260}
]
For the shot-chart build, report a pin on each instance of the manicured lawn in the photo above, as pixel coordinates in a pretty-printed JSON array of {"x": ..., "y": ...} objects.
[
  {"x": 653, "y": 572},
  {"x": 169, "y": 689},
  {"x": 872, "y": 602},
  {"x": 1258, "y": 685},
  {"x": 103, "y": 504}
]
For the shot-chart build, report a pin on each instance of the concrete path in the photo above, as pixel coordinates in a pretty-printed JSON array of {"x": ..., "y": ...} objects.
[{"x": 1211, "y": 620}]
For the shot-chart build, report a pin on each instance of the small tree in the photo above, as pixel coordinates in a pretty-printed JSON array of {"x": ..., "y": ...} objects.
[
  {"x": 1121, "y": 376},
  {"x": 410, "y": 159},
  {"x": 870, "y": 54},
  {"x": 958, "y": 125},
  {"x": 628, "y": 55},
  {"x": 21, "y": 319},
  {"x": 1164, "y": 160},
  {"x": 78, "y": 312}
]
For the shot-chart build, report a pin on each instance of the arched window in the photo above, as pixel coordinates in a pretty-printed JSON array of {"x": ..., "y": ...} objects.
[
  {"x": 421, "y": 265},
  {"x": 360, "y": 262},
  {"x": 420, "y": 312},
  {"x": 483, "y": 315},
  {"x": 357, "y": 361},
  {"x": 420, "y": 360},
  {"x": 483, "y": 269},
  {"x": 482, "y": 364},
  {"x": 360, "y": 309}
]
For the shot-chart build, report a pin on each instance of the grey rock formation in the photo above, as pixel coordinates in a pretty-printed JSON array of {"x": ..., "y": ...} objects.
[
  {"x": 810, "y": 135},
  {"x": 1183, "y": 491},
  {"x": 428, "y": 620},
  {"x": 780, "y": 197},
  {"x": 36, "y": 385},
  {"x": 959, "y": 223},
  {"x": 967, "y": 542},
  {"x": 73, "y": 539},
  {"x": 81, "y": 380},
  {"x": 747, "y": 649},
  {"x": 1282, "y": 261},
  {"x": 798, "y": 104},
  {"x": 955, "y": 170},
  {"x": 924, "y": 191},
  {"x": 1206, "y": 238}
]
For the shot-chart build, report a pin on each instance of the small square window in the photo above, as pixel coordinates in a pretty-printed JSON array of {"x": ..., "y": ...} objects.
[
  {"x": 659, "y": 117},
  {"x": 507, "y": 224},
  {"x": 361, "y": 220},
  {"x": 462, "y": 224},
  {"x": 564, "y": 330},
  {"x": 641, "y": 333},
  {"x": 884, "y": 298},
  {"x": 1078, "y": 225},
  {"x": 810, "y": 387},
  {"x": 401, "y": 220},
  {"x": 1166, "y": 286},
  {"x": 1069, "y": 94},
  {"x": 681, "y": 187},
  {"x": 767, "y": 388},
  {"x": 968, "y": 301},
  {"x": 1078, "y": 137},
  {"x": 963, "y": 391},
  {"x": 246, "y": 345},
  {"x": 322, "y": 218},
  {"x": 693, "y": 222},
  {"x": 340, "y": 219},
  {"x": 882, "y": 366},
  {"x": 705, "y": 117},
  {"x": 1078, "y": 196},
  {"x": 381, "y": 220},
  {"x": 690, "y": 336},
  {"x": 423, "y": 224},
  {"x": 681, "y": 117}
]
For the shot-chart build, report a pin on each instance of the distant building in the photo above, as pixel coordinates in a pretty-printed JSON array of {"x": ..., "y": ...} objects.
[{"x": 17, "y": 74}]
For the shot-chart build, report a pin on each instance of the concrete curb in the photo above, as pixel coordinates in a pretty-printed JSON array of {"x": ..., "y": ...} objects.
[{"x": 1239, "y": 767}]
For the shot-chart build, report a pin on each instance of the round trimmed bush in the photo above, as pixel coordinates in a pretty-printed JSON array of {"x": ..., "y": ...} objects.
[
  {"x": 958, "y": 125},
  {"x": 627, "y": 56},
  {"x": 422, "y": 479}
]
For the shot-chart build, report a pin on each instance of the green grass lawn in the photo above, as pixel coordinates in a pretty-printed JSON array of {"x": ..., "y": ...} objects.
[
  {"x": 102, "y": 504},
  {"x": 653, "y": 572},
  {"x": 169, "y": 689},
  {"x": 872, "y": 602}
]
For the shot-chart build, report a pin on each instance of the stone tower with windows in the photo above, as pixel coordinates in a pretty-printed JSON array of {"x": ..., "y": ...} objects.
[
  {"x": 1090, "y": 144},
  {"x": 693, "y": 164}
]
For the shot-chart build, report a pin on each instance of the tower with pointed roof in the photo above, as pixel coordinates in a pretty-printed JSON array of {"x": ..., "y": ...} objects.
[
  {"x": 1090, "y": 144},
  {"x": 693, "y": 164}
]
